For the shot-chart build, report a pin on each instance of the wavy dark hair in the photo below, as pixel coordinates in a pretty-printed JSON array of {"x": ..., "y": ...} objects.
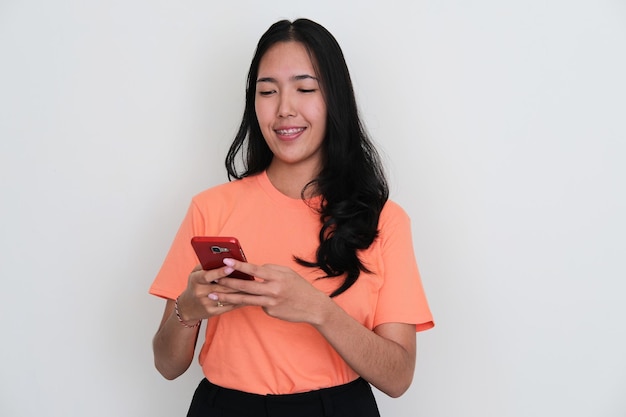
[{"x": 351, "y": 182}]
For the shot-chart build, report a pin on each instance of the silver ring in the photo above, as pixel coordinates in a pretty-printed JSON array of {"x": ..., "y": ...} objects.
[{"x": 219, "y": 304}]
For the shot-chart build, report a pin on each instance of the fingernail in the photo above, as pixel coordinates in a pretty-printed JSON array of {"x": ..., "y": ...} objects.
[
  {"x": 213, "y": 296},
  {"x": 228, "y": 270},
  {"x": 229, "y": 262}
]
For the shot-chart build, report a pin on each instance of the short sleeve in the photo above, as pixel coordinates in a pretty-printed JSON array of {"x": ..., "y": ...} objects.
[
  {"x": 171, "y": 280},
  {"x": 401, "y": 298}
]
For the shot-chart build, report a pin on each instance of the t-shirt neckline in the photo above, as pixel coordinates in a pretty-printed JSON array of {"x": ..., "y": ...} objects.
[{"x": 283, "y": 199}]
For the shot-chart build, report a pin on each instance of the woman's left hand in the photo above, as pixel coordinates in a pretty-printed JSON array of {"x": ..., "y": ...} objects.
[{"x": 280, "y": 291}]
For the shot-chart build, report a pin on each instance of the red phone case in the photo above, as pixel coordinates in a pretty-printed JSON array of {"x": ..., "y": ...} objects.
[{"x": 211, "y": 250}]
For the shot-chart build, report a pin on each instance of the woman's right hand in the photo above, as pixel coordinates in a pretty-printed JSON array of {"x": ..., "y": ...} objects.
[
  {"x": 173, "y": 343},
  {"x": 194, "y": 303}
]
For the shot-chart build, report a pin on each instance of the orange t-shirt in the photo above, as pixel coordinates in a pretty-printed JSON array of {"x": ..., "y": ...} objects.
[{"x": 247, "y": 350}]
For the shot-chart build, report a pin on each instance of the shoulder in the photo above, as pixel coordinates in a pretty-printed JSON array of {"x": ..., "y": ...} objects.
[
  {"x": 226, "y": 192},
  {"x": 215, "y": 205},
  {"x": 392, "y": 212},
  {"x": 393, "y": 220}
]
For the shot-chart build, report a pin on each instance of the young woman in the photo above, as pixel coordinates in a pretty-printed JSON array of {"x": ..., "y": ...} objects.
[{"x": 337, "y": 297}]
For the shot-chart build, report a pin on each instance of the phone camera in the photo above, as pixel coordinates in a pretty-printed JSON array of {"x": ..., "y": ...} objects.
[{"x": 218, "y": 249}]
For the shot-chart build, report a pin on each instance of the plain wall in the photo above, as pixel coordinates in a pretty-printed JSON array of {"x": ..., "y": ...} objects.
[{"x": 503, "y": 129}]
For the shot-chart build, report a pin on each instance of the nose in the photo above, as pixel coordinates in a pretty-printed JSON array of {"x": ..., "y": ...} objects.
[{"x": 286, "y": 105}]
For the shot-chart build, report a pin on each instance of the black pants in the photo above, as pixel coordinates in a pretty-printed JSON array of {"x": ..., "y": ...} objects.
[{"x": 354, "y": 399}]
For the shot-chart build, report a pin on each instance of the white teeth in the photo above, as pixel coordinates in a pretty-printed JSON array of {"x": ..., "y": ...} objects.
[{"x": 291, "y": 131}]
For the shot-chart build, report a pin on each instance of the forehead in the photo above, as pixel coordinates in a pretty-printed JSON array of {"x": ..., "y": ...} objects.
[{"x": 286, "y": 58}]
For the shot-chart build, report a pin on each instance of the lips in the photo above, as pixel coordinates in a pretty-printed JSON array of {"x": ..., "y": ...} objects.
[{"x": 289, "y": 133}]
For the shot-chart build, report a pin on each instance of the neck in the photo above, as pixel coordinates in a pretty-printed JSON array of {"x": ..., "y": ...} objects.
[{"x": 291, "y": 180}]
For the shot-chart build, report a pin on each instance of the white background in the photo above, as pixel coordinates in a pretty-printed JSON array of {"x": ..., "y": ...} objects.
[{"x": 503, "y": 126}]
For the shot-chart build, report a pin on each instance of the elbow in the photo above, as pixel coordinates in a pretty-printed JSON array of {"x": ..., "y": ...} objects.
[
  {"x": 399, "y": 387},
  {"x": 167, "y": 363},
  {"x": 397, "y": 392},
  {"x": 166, "y": 371},
  {"x": 402, "y": 381},
  {"x": 168, "y": 367},
  {"x": 170, "y": 376}
]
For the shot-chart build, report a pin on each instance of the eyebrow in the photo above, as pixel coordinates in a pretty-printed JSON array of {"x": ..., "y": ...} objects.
[{"x": 294, "y": 78}]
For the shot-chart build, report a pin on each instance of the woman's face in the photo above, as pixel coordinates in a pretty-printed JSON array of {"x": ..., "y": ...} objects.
[{"x": 290, "y": 107}]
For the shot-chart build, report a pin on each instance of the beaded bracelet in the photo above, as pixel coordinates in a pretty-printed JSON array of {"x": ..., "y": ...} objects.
[{"x": 180, "y": 319}]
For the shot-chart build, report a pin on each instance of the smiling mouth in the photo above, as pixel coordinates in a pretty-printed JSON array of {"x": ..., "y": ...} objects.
[{"x": 290, "y": 131}]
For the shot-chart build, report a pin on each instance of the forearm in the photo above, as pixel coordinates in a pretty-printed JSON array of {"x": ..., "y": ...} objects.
[
  {"x": 385, "y": 363},
  {"x": 384, "y": 357},
  {"x": 173, "y": 345}
]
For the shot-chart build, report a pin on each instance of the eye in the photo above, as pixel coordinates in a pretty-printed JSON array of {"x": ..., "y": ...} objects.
[
  {"x": 266, "y": 92},
  {"x": 307, "y": 90}
]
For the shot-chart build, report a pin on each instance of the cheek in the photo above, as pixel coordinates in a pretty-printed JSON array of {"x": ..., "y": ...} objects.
[
  {"x": 264, "y": 119},
  {"x": 261, "y": 112},
  {"x": 321, "y": 115}
]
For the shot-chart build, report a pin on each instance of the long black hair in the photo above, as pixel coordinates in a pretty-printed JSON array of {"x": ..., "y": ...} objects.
[{"x": 351, "y": 182}]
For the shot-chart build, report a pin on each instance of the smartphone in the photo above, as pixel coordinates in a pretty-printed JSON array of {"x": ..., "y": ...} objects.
[{"x": 211, "y": 250}]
